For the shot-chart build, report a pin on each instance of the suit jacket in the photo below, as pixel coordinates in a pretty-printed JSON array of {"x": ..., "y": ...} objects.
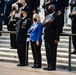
[
  {"x": 49, "y": 17},
  {"x": 36, "y": 33},
  {"x": 51, "y": 31},
  {"x": 60, "y": 5},
  {"x": 27, "y": 8},
  {"x": 9, "y": 8},
  {"x": 72, "y": 4},
  {"x": 1, "y": 6},
  {"x": 67, "y": 3},
  {"x": 33, "y": 4}
]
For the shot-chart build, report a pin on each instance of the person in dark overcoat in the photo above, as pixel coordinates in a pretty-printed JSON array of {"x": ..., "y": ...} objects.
[
  {"x": 66, "y": 12},
  {"x": 51, "y": 38},
  {"x": 45, "y": 5},
  {"x": 73, "y": 18},
  {"x": 67, "y": 3},
  {"x": 72, "y": 4},
  {"x": 33, "y": 5},
  {"x": 21, "y": 35},
  {"x": 60, "y": 7},
  {"x": 8, "y": 10},
  {"x": 2, "y": 4}
]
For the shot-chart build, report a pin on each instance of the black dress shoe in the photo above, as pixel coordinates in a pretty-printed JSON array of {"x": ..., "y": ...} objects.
[
  {"x": 37, "y": 66},
  {"x": 50, "y": 68},
  {"x": 22, "y": 65},
  {"x": 0, "y": 34},
  {"x": 18, "y": 64},
  {"x": 46, "y": 68},
  {"x": 11, "y": 48},
  {"x": 74, "y": 52},
  {"x": 33, "y": 66}
]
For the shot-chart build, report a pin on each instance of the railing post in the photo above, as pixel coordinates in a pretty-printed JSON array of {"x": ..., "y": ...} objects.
[
  {"x": 69, "y": 62},
  {"x": 27, "y": 46}
]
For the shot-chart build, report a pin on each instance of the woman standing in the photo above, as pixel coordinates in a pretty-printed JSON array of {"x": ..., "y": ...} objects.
[{"x": 36, "y": 39}]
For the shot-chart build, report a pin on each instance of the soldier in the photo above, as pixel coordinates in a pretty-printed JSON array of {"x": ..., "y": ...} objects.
[
  {"x": 14, "y": 16},
  {"x": 22, "y": 27}
]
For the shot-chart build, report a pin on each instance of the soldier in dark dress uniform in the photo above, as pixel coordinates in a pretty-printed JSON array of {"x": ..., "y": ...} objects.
[
  {"x": 14, "y": 16},
  {"x": 22, "y": 27}
]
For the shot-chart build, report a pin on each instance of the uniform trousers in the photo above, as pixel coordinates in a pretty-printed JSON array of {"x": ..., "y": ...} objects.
[
  {"x": 12, "y": 36},
  {"x": 21, "y": 50}
]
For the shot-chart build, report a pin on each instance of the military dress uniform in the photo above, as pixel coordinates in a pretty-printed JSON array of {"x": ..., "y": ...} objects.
[
  {"x": 12, "y": 27},
  {"x": 22, "y": 27}
]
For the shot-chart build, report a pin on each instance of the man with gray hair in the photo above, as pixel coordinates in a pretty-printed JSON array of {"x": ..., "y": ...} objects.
[{"x": 51, "y": 37}]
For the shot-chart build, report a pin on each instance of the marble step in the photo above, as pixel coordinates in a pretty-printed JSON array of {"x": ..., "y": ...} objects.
[
  {"x": 8, "y": 59},
  {"x": 62, "y": 50},
  {"x": 59, "y": 60},
  {"x": 8, "y": 50}
]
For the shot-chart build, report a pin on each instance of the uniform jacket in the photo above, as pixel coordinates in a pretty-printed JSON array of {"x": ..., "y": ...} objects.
[
  {"x": 36, "y": 33},
  {"x": 22, "y": 27}
]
